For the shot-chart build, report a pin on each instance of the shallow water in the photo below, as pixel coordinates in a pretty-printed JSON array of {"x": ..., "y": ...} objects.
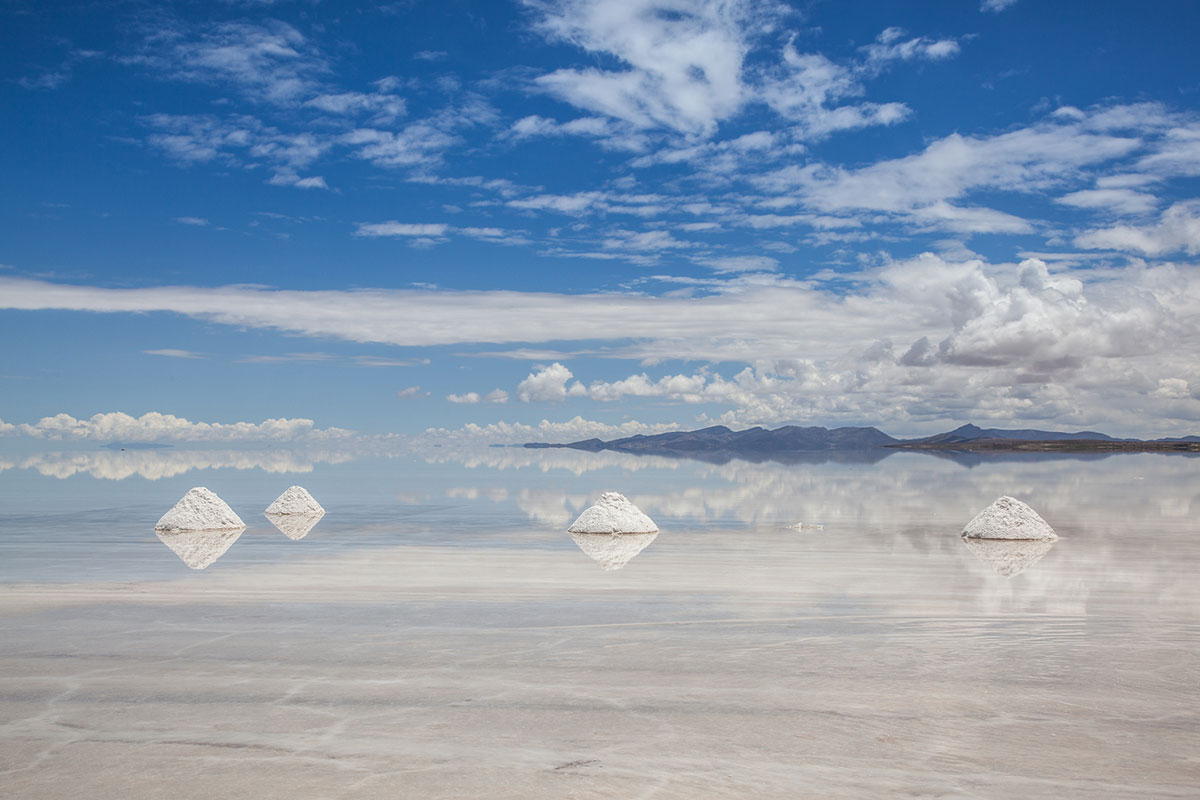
[{"x": 438, "y": 634}]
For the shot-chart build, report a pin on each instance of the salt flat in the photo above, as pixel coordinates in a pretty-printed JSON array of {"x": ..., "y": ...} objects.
[{"x": 449, "y": 639}]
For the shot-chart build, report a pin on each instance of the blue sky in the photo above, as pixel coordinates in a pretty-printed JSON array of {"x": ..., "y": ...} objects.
[{"x": 558, "y": 219}]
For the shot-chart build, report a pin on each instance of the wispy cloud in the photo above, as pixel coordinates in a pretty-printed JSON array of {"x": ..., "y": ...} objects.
[{"x": 171, "y": 352}]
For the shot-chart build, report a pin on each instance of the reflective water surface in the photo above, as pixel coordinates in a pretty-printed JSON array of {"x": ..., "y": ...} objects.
[{"x": 439, "y": 634}]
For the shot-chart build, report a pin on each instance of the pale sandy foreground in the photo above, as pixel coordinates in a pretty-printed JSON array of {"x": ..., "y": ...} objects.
[{"x": 879, "y": 657}]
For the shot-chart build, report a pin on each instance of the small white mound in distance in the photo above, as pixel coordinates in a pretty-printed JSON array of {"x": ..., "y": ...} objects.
[
  {"x": 613, "y": 513},
  {"x": 1008, "y": 518},
  {"x": 200, "y": 510},
  {"x": 295, "y": 500}
]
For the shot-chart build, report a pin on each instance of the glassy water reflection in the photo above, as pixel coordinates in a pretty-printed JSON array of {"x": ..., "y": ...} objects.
[{"x": 438, "y": 633}]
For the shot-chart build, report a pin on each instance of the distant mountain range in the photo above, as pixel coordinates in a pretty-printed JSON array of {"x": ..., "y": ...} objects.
[{"x": 791, "y": 439}]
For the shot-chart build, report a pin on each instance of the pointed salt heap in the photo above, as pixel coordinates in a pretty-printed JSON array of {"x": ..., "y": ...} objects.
[
  {"x": 200, "y": 510},
  {"x": 296, "y": 500},
  {"x": 1008, "y": 518},
  {"x": 612, "y": 550},
  {"x": 198, "y": 549},
  {"x": 1011, "y": 557},
  {"x": 613, "y": 513}
]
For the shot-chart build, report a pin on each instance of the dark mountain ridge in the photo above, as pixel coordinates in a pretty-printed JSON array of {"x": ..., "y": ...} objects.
[{"x": 792, "y": 438}]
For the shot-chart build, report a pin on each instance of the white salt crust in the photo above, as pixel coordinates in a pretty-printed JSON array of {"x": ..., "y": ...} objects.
[
  {"x": 613, "y": 513},
  {"x": 295, "y": 500},
  {"x": 1008, "y": 518},
  {"x": 200, "y": 510},
  {"x": 198, "y": 549},
  {"x": 1009, "y": 557},
  {"x": 612, "y": 550},
  {"x": 294, "y": 526}
]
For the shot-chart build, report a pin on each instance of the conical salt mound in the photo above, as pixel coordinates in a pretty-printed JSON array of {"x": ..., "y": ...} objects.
[
  {"x": 200, "y": 510},
  {"x": 1011, "y": 557},
  {"x": 613, "y": 513},
  {"x": 1008, "y": 518},
  {"x": 198, "y": 549},
  {"x": 296, "y": 500},
  {"x": 294, "y": 526},
  {"x": 613, "y": 550}
]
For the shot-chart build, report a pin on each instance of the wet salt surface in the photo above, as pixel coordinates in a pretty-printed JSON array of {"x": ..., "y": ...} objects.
[{"x": 438, "y": 634}]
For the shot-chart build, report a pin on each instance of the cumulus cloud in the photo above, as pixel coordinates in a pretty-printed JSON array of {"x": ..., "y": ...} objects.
[
  {"x": 469, "y": 398},
  {"x": 546, "y": 385},
  {"x": 570, "y": 430},
  {"x": 411, "y": 391},
  {"x": 900, "y": 341}
]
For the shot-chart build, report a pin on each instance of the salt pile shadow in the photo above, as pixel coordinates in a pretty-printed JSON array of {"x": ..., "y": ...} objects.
[
  {"x": 1009, "y": 557},
  {"x": 612, "y": 551},
  {"x": 199, "y": 549}
]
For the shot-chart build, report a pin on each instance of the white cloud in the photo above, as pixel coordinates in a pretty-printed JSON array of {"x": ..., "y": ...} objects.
[
  {"x": 923, "y": 187},
  {"x": 682, "y": 62},
  {"x": 268, "y": 61},
  {"x": 1116, "y": 201},
  {"x": 171, "y": 352},
  {"x": 547, "y": 385},
  {"x": 469, "y": 398},
  {"x": 574, "y": 429},
  {"x": 411, "y": 391},
  {"x": 907, "y": 340},
  {"x": 496, "y": 396},
  {"x": 401, "y": 229},
  {"x": 741, "y": 263},
  {"x": 1177, "y": 229},
  {"x": 197, "y": 221},
  {"x": 891, "y": 46},
  {"x": 996, "y": 6}
]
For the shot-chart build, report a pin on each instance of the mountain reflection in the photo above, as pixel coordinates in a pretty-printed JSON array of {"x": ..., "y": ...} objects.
[
  {"x": 199, "y": 549},
  {"x": 612, "y": 551}
]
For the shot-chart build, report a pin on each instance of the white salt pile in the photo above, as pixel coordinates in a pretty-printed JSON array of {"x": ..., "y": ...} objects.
[
  {"x": 200, "y": 510},
  {"x": 612, "y": 550},
  {"x": 1008, "y": 518},
  {"x": 295, "y": 500},
  {"x": 613, "y": 513},
  {"x": 807, "y": 526},
  {"x": 294, "y": 526},
  {"x": 1009, "y": 557},
  {"x": 198, "y": 549}
]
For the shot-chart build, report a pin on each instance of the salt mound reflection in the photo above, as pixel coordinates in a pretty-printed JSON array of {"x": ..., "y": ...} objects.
[
  {"x": 295, "y": 526},
  {"x": 613, "y": 550},
  {"x": 198, "y": 549},
  {"x": 1009, "y": 557}
]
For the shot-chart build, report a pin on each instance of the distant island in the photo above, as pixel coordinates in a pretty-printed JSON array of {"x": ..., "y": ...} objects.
[{"x": 793, "y": 439}]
